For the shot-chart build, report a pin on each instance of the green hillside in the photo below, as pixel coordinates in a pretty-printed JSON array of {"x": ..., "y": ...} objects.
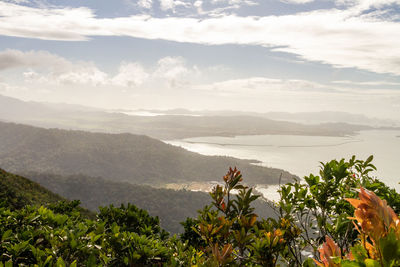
[
  {"x": 118, "y": 157},
  {"x": 171, "y": 206},
  {"x": 17, "y": 191}
]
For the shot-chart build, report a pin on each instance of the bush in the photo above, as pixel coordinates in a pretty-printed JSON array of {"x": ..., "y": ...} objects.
[{"x": 321, "y": 215}]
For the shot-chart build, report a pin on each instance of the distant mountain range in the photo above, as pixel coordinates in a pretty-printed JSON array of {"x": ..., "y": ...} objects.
[
  {"x": 298, "y": 117},
  {"x": 164, "y": 127}
]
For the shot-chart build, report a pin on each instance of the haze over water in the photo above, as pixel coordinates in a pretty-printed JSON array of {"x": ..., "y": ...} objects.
[{"x": 301, "y": 155}]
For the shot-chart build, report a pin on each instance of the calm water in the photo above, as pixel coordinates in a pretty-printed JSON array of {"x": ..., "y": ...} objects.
[{"x": 301, "y": 154}]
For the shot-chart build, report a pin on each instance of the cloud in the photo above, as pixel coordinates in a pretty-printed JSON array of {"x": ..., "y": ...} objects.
[
  {"x": 341, "y": 38},
  {"x": 265, "y": 86},
  {"x": 130, "y": 74},
  {"x": 173, "y": 70},
  {"x": 297, "y": 1},
  {"x": 80, "y": 74},
  {"x": 17, "y": 1},
  {"x": 159, "y": 86},
  {"x": 12, "y": 58},
  {"x": 367, "y": 83},
  {"x": 234, "y": 2},
  {"x": 172, "y": 4},
  {"x": 366, "y": 4},
  {"x": 146, "y": 4},
  {"x": 46, "y": 68}
]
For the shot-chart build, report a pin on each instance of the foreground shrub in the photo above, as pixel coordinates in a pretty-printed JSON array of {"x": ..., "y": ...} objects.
[
  {"x": 38, "y": 236},
  {"x": 378, "y": 243},
  {"x": 319, "y": 221},
  {"x": 320, "y": 208}
]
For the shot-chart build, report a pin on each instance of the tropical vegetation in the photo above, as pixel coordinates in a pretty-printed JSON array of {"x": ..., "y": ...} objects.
[{"x": 341, "y": 217}]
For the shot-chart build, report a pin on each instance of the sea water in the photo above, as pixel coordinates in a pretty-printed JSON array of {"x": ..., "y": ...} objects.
[{"x": 301, "y": 155}]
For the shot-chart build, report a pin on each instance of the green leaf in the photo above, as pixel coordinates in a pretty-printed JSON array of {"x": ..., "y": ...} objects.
[
  {"x": 60, "y": 262},
  {"x": 359, "y": 253},
  {"x": 372, "y": 263},
  {"x": 347, "y": 263},
  {"x": 390, "y": 247},
  {"x": 91, "y": 261},
  {"x": 48, "y": 260},
  {"x": 6, "y": 235},
  {"x": 308, "y": 263}
]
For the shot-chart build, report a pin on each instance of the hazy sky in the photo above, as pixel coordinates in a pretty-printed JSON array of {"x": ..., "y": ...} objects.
[{"x": 255, "y": 55}]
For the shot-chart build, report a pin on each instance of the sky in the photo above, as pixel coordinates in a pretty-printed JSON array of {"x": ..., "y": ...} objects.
[{"x": 248, "y": 55}]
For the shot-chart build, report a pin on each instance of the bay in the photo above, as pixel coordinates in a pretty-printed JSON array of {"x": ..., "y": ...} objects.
[{"x": 301, "y": 155}]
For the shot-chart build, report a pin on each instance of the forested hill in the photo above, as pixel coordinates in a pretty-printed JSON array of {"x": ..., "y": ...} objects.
[
  {"x": 171, "y": 206},
  {"x": 119, "y": 157},
  {"x": 17, "y": 191}
]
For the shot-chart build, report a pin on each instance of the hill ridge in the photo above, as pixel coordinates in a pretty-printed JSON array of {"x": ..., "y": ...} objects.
[{"x": 125, "y": 157}]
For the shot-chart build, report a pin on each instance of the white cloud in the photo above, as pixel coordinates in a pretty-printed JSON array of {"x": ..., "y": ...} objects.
[
  {"x": 12, "y": 58},
  {"x": 225, "y": 7},
  {"x": 17, "y": 1},
  {"x": 174, "y": 71},
  {"x": 79, "y": 74},
  {"x": 234, "y": 2},
  {"x": 297, "y": 1},
  {"x": 265, "y": 86},
  {"x": 130, "y": 74},
  {"x": 337, "y": 37},
  {"x": 58, "y": 79},
  {"x": 171, "y": 67},
  {"x": 43, "y": 66},
  {"x": 6, "y": 88},
  {"x": 147, "y": 4},
  {"x": 46, "y": 68},
  {"x": 198, "y": 4},
  {"x": 172, "y": 4},
  {"x": 366, "y": 83},
  {"x": 366, "y": 4},
  {"x": 83, "y": 75}
]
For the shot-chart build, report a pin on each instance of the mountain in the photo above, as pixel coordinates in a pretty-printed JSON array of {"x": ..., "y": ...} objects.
[
  {"x": 320, "y": 117},
  {"x": 176, "y": 126},
  {"x": 17, "y": 191},
  {"x": 118, "y": 157},
  {"x": 331, "y": 117},
  {"x": 171, "y": 206}
]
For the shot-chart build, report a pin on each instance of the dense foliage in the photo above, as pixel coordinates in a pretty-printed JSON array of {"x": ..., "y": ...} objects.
[
  {"x": 37, "y": 235},
  {"x": 309, "y": 213},
  {"x": 319, "y": 206},
  {"x": 171, "y": 206},
  {"x": 321, "y": 217},
  {"x": 378, "y": 242}
]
